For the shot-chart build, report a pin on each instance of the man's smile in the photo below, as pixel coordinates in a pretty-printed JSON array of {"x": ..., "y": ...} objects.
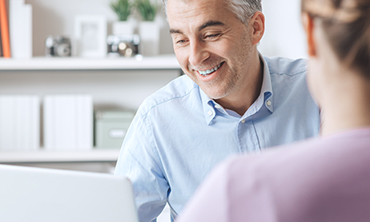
[{"x": 209, "y": 71}]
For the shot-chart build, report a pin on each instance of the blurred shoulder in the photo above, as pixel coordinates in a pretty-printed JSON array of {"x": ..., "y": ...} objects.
[
  {"x": 286, "y": 66},
  {"x": 178, "y": 88}
]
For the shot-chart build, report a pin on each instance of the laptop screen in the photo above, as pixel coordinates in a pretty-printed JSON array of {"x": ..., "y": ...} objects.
[{"x": 37, "y": 195}]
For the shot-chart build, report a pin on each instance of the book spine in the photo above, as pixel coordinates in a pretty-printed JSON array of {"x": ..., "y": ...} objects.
[
  {"x": 49, "y": 123},
  {"x": 35, "y": 123},
  {"x": 28, "y": 31},
  {"x": 4, "y": 29},
  {"x": 20, "y": 124},
  {"x": 7, "y": 119},
  {"x": 2, "y": 125},
  {"x": 1, "y": 45},
  {"x": 84, "y": 122},
  {"x": 20, "y": 29}
]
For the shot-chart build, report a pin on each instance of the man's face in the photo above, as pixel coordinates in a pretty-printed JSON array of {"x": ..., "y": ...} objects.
[{"x": 213, "y": 47}]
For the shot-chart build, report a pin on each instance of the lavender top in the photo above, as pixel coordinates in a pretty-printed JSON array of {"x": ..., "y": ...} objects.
[{"x": 322, "y": 179}]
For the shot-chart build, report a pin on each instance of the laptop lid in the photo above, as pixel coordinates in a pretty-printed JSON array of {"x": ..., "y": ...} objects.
[{"x": 42, "y": 195}]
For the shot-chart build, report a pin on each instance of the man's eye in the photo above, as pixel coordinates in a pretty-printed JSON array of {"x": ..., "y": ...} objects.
[
  {"x": 181, "y": 42},
  {"x": 212, "y": 36}
]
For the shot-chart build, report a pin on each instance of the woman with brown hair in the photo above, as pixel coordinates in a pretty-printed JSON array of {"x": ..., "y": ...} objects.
[{"x": 321, "y": 179}]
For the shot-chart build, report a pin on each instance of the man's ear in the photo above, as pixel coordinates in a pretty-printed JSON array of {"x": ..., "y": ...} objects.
[
  {"x": 257, "y": 22},
  {"x": 308, "y": 24}
]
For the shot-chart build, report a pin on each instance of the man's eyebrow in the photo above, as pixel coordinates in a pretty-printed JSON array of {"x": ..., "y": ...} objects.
[
  {"x": 175, "y": 31},
  {"x": 205, "y": 25},
  {"x": 210, "y": 23}
]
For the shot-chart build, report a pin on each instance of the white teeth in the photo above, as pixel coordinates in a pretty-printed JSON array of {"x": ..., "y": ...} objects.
[{"x": 205, "y": 73}]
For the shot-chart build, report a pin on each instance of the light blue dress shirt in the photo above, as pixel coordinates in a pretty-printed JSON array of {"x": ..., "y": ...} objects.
[{"x": 179, "y": 133}]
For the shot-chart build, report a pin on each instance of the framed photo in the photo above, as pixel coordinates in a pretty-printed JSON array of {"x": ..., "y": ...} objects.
[{"x": 90, "y": 36}]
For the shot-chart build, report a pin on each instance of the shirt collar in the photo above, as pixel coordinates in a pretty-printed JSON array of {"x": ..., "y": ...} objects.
[
  {"x": 208, "y": 106},
  {"x": 265, "y": 97},
  {"x": 266, "y": 94}
]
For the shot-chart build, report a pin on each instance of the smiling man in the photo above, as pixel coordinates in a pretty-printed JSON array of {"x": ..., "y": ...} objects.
[{"x": 231, "y": 100}]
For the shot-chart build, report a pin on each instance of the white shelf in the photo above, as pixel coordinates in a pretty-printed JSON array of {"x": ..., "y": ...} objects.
[
  {"x": 76, "y": 63},
  {"x": 42, "y": 156}
]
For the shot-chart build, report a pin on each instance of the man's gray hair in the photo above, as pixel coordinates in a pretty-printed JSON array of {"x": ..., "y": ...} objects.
[{"x": 243, "y": 9}]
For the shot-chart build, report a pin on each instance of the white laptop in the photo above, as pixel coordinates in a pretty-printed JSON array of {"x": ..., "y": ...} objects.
[{"x": 29, "y": 194}]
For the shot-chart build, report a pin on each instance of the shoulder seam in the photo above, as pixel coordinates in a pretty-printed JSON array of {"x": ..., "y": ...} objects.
[
  {"x": 288, "y": 74},
  {"x": 169, "y": 99},
  {"x": 296, "y": 71}
]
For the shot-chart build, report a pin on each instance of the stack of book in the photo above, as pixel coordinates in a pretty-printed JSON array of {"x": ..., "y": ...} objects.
[
  {"x": 16, "y": 32},
  {"x": 19, "y": 123},
  {"x": 68, "y": 122}
]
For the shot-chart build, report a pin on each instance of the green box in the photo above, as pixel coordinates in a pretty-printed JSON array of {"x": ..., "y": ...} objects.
[{"x": 111, "y": 128}]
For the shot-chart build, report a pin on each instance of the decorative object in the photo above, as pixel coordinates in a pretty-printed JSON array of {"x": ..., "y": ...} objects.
[
  {"x": 111, "y": 128},
  {"x": 123, "y": 10},
  {"x": 149, "y": 35},
  {"x": 57, "y": 46},
  {"x": 148, "y": 28},
  {"x": 123, "y": 28},
  {"x": 123, "y": 45},
  {"x": 147, "y": 9},
  {"x": 91, "y": 33}
]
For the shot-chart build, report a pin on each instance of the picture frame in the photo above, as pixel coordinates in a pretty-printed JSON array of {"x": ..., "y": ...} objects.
[{"x": 90, "y": 35}]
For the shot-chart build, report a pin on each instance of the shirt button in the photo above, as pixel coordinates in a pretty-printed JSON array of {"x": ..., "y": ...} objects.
[
  {"x": 243, "y": 120},
  {"x": 210, "y": 113},
  {"x": 268, "y": 103},
  {"x": 217, "y": 106}
]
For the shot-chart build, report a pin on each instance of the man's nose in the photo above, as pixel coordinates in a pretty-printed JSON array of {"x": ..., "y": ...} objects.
[{"x": 198, "y": 53}]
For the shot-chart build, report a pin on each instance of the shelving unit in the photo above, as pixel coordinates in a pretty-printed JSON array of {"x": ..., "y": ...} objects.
[
  {"x": 112, "y": 82},
  {"x": 118, "y": 81}
]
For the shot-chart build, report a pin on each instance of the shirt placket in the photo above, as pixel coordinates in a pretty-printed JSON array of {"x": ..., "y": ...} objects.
[{"x": 247, "y": 136}]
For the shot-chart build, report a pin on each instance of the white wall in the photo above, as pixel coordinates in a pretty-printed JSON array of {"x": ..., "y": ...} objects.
[
  {"x": 284, "y": 35},
  {"x": 56, "y": 17},
  {"x": 109, "y": 88}
]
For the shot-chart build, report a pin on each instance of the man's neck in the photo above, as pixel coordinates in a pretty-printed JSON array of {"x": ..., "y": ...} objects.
[{"x": 241, "y": 100}]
